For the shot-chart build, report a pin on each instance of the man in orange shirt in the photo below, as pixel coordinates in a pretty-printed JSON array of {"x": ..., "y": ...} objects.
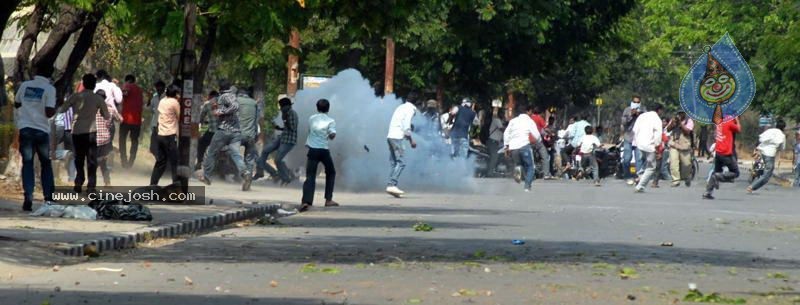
[
  {"x": 132, "y": 103},
  {"x": 725, "y": 156}
]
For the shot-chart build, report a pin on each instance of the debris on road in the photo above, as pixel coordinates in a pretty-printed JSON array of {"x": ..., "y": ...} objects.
[
  {"x": 628, "y": 273},
  {"x": 105, "y": 269},
  {"x": 273, "y": 283},
  {"x": 517, "y": 242},
  {"x": 188, "y": 281},
  {"x": 56, "y": 268},
  {"x": 667, "y": 244},
  {"x": 631, "y": 297}
]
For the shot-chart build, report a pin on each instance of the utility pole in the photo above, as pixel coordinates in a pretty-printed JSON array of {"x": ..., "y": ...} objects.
[
  {"x": 292, "y": 64},
  {"x": 187, "y": 65},
  {"x": 388, "y": 83}
]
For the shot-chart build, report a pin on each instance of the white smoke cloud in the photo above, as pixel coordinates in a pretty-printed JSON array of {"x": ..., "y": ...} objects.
[{"x": 362, "y": 122}]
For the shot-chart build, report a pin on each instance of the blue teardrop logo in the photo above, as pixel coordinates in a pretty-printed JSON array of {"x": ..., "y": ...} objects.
[{"x": 719, "y": 86}]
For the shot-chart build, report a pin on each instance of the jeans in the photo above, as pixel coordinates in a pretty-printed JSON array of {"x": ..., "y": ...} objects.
[
  {"x": 769, "y": 167},
  {"x": 103, "y": 154},
  {"x": 167, "y": 149},
  {"x": 85, "y": 153},
  {"x": 591, "y": 160},
  {"x": 541, "y": 151},
  {"x": 133, "y": 131},
  {"x": 221, "y": 139},
  {"x": 796, "y": 175},
  {"x": 202, "y": 145},
  {"x": 524, "y": 157},
  {"x": 281, "y": 150},
  {"x": 649, "y": 159},
  {"x": 460, "y": 147},
  {"x": 397, "y": 160},
  {"x": 250, "y": 153},
  {"x": 680, "y": 164},
  {"x": 719, "y": 176},
  {"x": 315, "y": 156},
  {"x": 33, "y": 141},
  {"x": 629, "y": 153},
  {"x": 493, "y": 146}
]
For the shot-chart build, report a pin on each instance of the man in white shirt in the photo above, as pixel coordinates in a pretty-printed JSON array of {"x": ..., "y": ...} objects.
[
  {"x": 113, "y": 92},
  {"x": 647, "y": 132},
  {"x": 517, "y": 139},
  {"x": 34, "y": 104},
  {"x": 399, "y": 130},
  {"x": 322, "y": 129},
  {"x": 771, "y": 142},
  {"x": 589, "y": 143}
]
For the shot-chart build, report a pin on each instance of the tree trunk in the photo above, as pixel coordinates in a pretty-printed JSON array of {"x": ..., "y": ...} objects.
[
  {"x": 32, "y": 28},
  {"x": 292, "y": 64},
  {"x": 353, "y": 58},
  {"x": 82, "y": 46},
  {"x": 71, "y": 20},
  {"x": 440, "y": 92},
  {"x": 259, "y": 75},
  {"x": 510, "y": 105},
  {"x": 188, "y": 69},
  {"x": 208, "y": 42},
  {"x": 7, "y": 7},
  {"x": 388, "y": 84}
]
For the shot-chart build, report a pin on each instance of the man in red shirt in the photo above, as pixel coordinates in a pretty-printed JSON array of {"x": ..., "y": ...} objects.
[
  {"x": 725, "y": 156},
  {"x": 539, "y": 148},
  {"x": 132, "y": 102}
]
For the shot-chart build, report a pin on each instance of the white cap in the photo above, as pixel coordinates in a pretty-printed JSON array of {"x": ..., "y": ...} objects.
[{"x": 282, "y": 96}]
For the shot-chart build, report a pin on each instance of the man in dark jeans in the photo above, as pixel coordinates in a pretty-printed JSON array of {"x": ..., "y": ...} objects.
[
  {"x": 208, "y": 124},
  {"x": 228, "y": 136},
  {"x": 159, "y": 86},
  {"x": 322, "y": 129},
  {"x": 86, "y": 104},
  {"x": 131, "y": 125},
  {"x": 282, "y": 146},
  {"x": 35, "y": 102}
]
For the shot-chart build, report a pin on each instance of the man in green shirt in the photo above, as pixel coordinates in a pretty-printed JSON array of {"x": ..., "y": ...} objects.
[
  {"x": 208, "y": 124},
  {"x": 249, "y": 116}
]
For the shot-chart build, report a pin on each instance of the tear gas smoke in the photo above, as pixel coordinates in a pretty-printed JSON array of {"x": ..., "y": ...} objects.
[{"x": 360, "y": 151}]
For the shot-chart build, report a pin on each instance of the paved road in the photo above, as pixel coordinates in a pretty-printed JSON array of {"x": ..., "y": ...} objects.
[{"x": 577, "y": 237}]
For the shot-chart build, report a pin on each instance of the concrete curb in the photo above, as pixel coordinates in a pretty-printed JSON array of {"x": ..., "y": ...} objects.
[{"x": 129, "y": 240}]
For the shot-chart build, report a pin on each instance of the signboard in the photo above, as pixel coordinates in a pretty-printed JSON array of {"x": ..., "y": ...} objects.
[
  {"x": 313, "y": 81},
  {"x": 598, "y": 102},
  {"x": 186, "y": 108}
]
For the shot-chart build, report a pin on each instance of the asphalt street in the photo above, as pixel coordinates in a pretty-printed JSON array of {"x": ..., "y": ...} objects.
[{"x": 582, "y": 245}]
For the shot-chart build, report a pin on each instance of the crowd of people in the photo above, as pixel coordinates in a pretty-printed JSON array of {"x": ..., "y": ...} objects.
[{"x": 653, "y": 146}]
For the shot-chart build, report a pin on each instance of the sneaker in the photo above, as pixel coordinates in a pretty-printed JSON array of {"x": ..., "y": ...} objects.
[
  {"x": 258, "y": 176},
  {"x": 630, "y": 182},
  {"x": 597, "y": 183},
  {"x": 248, "y": 179},
  {"x": 749, "y": 190},
  {"x": 518, "y": 174},
  {"x": 527, "y": 190},
  {"x": 394, "y": 191},
  {"x": 639, "y": 190},
  {"x": 676, "y": 184},
  {"x": 202, "y": 177},
  {"x": 708, "y": 196}
]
